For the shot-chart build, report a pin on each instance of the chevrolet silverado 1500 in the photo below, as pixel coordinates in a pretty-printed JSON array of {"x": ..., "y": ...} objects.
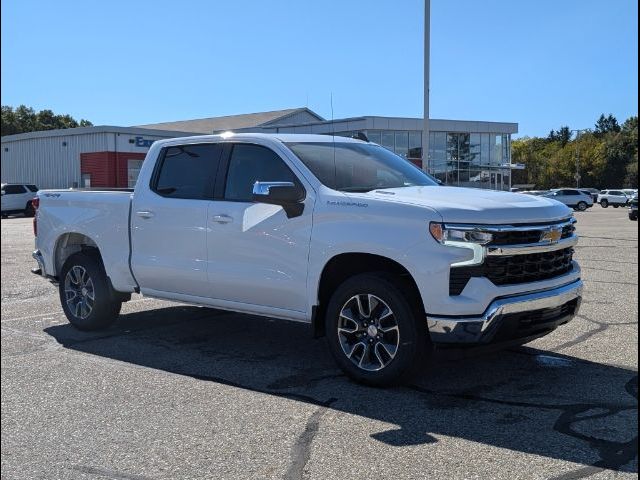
[{"x": 336, "y": 232}]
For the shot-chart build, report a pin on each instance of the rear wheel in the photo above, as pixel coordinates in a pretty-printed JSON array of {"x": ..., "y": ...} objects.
[
  {"x": 604, "y": 203},
  {"x": 616, "y": 206},
  {"x": 29, "y": 211},
  {"x": 87, "y": 298},
  {"x": 374, "y": 332}
]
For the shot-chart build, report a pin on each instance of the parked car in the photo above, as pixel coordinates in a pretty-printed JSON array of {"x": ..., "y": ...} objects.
[
  {"x": 594, "y": 192},
  {"x": 615, "y": 198},
  {"x": 338, "y": 233},
  {"x": 633, "y": 209},
  {"x": 571, "y": 197},
  {"x": 17, "y": 198},
  {"x": 630, "y": 192}
]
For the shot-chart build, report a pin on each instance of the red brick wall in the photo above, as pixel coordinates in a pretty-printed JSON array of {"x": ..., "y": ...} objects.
[{"x": 108, "y": 169}]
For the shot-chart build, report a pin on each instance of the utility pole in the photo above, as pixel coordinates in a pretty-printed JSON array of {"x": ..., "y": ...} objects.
[
  {"x": 427, "y": 47},
  {"x": 578, "y": 176}
]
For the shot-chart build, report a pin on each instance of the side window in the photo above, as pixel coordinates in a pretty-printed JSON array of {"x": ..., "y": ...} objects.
[
  {"x": 32, "y": 188},
  {"x": 252, "y": 163},
  {"x": 188, "y": 171},
  {"x": 571, "y": 192},
  {"x": 14, "y": 189}
]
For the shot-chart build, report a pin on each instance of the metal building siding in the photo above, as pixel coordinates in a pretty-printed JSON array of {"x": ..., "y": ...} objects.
[{"x": 46, "y": 162}]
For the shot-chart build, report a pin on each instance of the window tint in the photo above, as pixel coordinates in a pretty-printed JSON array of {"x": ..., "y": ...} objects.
[
  {"x": 615, "y": 192},
  {"x": 14, "y": 189},
  {"x": 250, "y": 164},
  {"x": 571, "y": 192},
  {"x": 188, "y": 171},
  {"x": 33, "y": 188}
]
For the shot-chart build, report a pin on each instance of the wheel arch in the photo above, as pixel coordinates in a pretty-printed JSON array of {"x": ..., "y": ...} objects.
[
  {"x": 345, "y": 265},
  {"x": 69, "y": 243}
]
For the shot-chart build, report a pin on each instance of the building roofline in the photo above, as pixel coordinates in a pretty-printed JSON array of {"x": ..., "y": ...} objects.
[
  {"x": 96, "y": 129},
  {"x": 366, "y": 117}
]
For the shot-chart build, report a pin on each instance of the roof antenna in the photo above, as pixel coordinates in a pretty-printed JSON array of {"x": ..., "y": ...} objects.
[{"x": 333, "y": 137}]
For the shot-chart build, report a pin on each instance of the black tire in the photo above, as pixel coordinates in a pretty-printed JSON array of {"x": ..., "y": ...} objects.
[
  {"x": 616, "y": 206},
  {"x": 94, "y": 314},
  {"x": 582, "y": 206},
  {"x": 412, "y": 341},
  {"x": 604, "y": 203},
  {"x": 29, "y": 211}
]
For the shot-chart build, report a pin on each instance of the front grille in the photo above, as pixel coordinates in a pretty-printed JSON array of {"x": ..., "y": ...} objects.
[
  {"x": 514, "y": 269},
  {"x": 527, "y": 236}
]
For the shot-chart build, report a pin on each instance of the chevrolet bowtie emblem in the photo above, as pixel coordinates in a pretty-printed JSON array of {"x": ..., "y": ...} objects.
[{"x": 551, "y": 236}]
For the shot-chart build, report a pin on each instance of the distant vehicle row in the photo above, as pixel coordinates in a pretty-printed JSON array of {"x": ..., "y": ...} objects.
[
  {"x": 583, "y": 198},
  {"x": 16, "y": 198}
]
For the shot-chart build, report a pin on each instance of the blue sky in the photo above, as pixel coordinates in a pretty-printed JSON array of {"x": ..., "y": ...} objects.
[{"x": 541, "y": 63}]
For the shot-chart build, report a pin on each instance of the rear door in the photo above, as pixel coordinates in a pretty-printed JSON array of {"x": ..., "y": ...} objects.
[
  {"x": 256, "y": 254},
  {"x": 169, "y": 221},
  {"x": 618, "y": 197}
]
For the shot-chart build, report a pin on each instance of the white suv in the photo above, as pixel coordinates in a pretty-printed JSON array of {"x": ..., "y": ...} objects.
[
  {"x": 17, "y": 197},
  {"x": 571, "y": 197},
  {"x": 615, "y": 198}
]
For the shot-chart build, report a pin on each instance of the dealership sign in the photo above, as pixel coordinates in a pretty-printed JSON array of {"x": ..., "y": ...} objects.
[{"x": 143, "y": 142}]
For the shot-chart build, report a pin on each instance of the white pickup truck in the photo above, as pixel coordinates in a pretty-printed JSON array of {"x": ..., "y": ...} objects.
[{"x": 335, "y": 232}]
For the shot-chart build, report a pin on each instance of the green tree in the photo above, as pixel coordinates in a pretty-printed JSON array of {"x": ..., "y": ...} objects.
[
  {"x": 24, "y": 119},
  {"x": 607, "y": 124}
]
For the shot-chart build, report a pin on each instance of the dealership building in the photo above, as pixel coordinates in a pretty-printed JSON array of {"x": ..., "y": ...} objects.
[{"x": 461, "y": 152}]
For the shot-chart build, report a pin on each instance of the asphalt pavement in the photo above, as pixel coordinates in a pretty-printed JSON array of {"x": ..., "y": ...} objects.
[{"x": 180, "y": 392}]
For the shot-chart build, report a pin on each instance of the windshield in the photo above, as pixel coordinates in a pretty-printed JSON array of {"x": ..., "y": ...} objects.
[{"x": 358, "y": 167}]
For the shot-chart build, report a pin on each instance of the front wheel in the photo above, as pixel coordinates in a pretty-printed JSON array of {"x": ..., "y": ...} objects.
[
  {"x": 616, "y": 206},
  {"x": 85, "y": 293},
  {"x": 582, "y": 206},
  {"x": 604, "y": 203},
  {"x": 375, "y": 333}
]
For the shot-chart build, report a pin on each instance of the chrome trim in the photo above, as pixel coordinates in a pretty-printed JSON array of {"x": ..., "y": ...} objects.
[
  {"x": 481, "y": 329},
  {"x": 264, "y": 188},
  {"x": 509, "y": 228},
  {"x": 527, "y": 248},
  {"x": 480, "y": 252}
]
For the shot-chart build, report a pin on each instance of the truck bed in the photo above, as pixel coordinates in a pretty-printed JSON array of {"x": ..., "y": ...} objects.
[{"x": 101, "y": 215}]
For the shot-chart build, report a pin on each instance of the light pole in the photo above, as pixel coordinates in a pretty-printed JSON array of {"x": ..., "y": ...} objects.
[
  {"x": 427, "y": 46},
  {"x": 577, "y": 175}
]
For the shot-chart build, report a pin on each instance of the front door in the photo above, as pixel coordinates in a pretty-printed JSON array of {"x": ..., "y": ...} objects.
[
  {"x": 169, "y": 222},
  {"x": 256, "y": 254}
]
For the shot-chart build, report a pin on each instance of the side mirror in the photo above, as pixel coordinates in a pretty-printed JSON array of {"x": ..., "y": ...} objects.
[{"x": 286, "y": 194}]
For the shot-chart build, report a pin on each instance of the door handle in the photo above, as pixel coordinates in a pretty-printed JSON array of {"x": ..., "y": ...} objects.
[
  {"x": 144, "y": 214},
  {"x": 222, "y": 219}
]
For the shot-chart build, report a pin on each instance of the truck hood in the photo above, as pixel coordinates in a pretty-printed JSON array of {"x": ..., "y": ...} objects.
[{"x": 472, "y": 205}]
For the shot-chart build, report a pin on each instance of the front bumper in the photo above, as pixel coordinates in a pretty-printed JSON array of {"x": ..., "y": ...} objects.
[{"x": 510, "y": 318}]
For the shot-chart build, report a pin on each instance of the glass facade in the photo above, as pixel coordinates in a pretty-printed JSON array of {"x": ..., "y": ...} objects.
[{"x": 478, "y": 160}]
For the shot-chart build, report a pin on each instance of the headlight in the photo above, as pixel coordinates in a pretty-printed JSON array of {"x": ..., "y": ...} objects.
[{"x": 453, "y": 235}]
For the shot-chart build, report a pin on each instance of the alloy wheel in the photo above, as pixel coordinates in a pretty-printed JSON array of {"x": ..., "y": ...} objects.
[
  {"x": 368, "y": 332},
  {"x": 79, "y": 292}
]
